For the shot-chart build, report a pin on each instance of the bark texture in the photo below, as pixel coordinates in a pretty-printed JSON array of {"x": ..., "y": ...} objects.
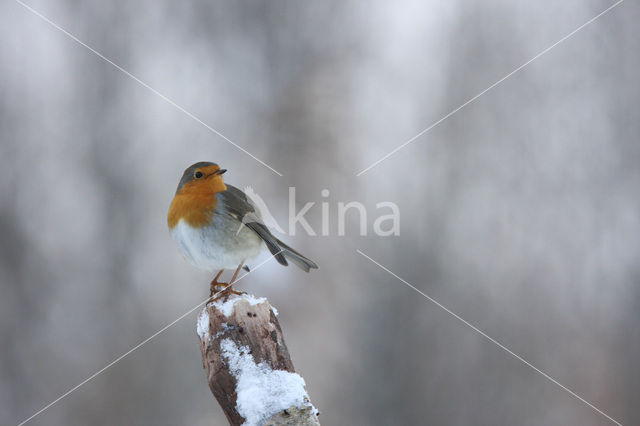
[{"x": 254, "y": 326}]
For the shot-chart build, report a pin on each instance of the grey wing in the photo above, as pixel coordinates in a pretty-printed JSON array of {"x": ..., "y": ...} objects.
[{"x": 236, "y": 203}]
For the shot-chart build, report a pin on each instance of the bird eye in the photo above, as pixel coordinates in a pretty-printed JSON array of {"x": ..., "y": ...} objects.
[{"x": 198, "y": 175}]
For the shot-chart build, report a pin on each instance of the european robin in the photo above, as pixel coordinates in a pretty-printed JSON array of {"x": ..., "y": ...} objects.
[{"x": 217, "y": 227}]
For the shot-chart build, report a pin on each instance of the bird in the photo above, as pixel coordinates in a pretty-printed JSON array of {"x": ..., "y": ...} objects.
[{"x": 216, "y": 226}]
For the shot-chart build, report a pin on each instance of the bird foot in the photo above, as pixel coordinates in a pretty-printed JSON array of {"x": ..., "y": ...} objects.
[
  {"x": 225, "y": 293},
  {"x": 216, "y": 287},
  {"x": 216, "y": 294}
]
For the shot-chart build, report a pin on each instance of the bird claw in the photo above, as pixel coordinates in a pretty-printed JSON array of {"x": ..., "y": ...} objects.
[
  {"x": 225, "y": 293},
  {"x": 215, "y": 288},
  {"x": 226, "y": 290}
]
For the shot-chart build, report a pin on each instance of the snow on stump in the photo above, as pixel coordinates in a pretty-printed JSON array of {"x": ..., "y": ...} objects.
[{"x": 248, "y": 366}]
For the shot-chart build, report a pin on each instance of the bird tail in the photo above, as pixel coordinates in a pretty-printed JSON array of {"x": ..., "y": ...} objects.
[
  {"x": 280, "y": 250},
  {"x": 300, "y": 261}
]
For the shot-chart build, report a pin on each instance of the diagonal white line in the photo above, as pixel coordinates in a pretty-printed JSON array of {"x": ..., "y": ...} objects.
[
  {"x": 121, "y": 357},
  {"x": 133, "y": 77},
  {"x": 491, "y": 339},
  {"x": 488, "y": 88}
]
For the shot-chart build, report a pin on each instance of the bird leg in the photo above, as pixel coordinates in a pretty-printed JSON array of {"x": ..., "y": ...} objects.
[
  {"x": 227, "y": 291},
  {"x": 235, "y": 274},
  {"x": 214, "y": 283}
]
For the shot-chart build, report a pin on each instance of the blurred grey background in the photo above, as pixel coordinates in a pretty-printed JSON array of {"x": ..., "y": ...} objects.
[{"x": 521, "y": 212}]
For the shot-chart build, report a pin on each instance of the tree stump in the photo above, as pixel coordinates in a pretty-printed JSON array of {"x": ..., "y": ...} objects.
[{"x": 248, "y": 366}]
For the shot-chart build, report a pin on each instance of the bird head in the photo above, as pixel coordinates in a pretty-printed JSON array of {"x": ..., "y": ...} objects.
[{"x": 202, "y": 177}]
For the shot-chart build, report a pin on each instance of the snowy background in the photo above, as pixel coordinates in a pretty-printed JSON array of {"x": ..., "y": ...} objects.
[{"x": 521, "y": 212}]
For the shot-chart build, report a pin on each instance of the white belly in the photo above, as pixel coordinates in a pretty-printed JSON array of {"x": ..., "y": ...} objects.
[{"x": 216, "y": 246}]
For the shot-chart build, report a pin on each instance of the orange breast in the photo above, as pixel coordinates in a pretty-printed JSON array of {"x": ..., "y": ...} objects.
[{"x": 195, "y": 209}]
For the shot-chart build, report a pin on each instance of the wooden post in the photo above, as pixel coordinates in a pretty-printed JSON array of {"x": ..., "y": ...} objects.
[{"x": 248, "y": 366}]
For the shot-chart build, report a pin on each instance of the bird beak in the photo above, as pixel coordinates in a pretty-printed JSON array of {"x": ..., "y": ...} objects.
[{"x": 219, "y": 171}]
